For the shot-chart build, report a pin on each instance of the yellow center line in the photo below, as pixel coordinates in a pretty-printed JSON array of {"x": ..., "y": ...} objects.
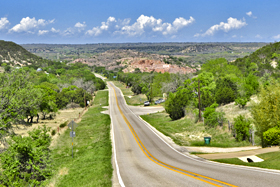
[{"x": 170, "y": 167}]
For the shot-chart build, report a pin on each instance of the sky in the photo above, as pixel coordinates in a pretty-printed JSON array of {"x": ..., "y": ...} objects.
[{"x": 121, "y": 21}]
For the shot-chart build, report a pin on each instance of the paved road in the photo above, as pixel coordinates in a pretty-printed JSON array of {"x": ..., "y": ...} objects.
[{"x": 143, "y": 159}]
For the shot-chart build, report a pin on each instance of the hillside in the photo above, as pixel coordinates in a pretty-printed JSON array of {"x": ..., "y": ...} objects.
[
  {"x": 264, "y": 61},
  {"x": 14, "y": 54}
]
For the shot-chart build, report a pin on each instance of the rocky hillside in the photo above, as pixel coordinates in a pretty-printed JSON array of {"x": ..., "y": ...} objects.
[
  {"x": 13, "y": 54},
  {"x": 130, "y": 60}
]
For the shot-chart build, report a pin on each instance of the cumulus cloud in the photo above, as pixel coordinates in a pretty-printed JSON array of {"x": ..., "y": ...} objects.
[
  {"x": 250, "y": 14},
  {"x": 276, "y": 37},
  {"x": 42, "y": 32},
  {"x": 80, "y": 26},
  {"x": 95, "y": 31},
  {"x": 144, "y": 23},
  {"x": 258, "y": 36},
  {"x": 4, "y": 23},
  {"x": 232, "y": 23},
  {"x": 28, "y": 24}
]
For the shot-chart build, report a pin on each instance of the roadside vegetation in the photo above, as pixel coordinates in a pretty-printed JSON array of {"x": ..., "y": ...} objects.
[
  {"x": 91, "y": 165},
  {"x": 220, "y": 83},
  {"x": 271, "y": 161},
  {"x": 186, "y": 132}
]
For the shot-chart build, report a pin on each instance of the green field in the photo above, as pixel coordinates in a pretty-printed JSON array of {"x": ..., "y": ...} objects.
[
  {"x": 271, "y": 161},
  {"x": 91, "y": 165}
]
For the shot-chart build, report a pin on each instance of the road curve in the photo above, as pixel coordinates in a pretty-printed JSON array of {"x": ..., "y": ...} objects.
[{"x": 143, "y": 159}]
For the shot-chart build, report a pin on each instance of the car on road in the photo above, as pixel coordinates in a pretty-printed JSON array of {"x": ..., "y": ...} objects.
[
  {"x": 146, "y": 103},
  {"x": 157, "y": 102}
]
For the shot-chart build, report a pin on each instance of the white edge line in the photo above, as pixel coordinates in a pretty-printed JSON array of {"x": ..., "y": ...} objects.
[
  {"x": 262, "y": 170},
  {"x": 114, "y": 146}
]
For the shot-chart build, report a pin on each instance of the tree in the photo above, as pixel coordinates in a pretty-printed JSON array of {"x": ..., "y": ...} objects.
[
  {"x": 48, "y": 102},
  {"x": 177, "y": 102},
  {"x": 266, "y": 112},
  {"x": 226, "y": 90},
  {"x": 18, "y": 96}
]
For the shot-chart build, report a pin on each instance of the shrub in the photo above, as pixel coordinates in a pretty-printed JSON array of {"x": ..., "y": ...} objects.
[
  {"x": 26, "y": 162},
  {"x": 63, "y": 124},
  {"x": 242, "y": 126},
  {"x": 272, "y": 136},
  {"x": 213, "y": 118},
  {"x": 241, "y": 102},
  {"x": 53, "y": 132}
]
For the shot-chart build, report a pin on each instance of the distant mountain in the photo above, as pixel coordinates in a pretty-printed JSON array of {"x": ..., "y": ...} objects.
[
  {"x": 14, "y": 54},
  {"x": 264, "y": 60}
]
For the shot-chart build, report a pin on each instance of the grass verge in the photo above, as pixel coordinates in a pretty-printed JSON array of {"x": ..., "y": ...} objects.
[
  {"x": 129, "y": 96},
  {"x": 187, "y": 133},
  {"x": 91, "y": 165},
  {"x": 271, "y": 161}
]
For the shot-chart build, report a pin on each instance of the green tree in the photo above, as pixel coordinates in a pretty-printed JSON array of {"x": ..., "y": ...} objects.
[
  {"x": 48, "y": 102},
  {"x": 177, "y": 102},
  {"x": 18, "y": 96},
  {"x": 266, "y": 112}
]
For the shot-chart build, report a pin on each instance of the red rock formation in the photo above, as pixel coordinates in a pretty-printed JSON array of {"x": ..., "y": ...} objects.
[{"x": 158, "y": 66}]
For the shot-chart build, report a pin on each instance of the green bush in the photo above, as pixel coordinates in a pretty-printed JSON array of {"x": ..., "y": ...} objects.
[
  {"x": 213, "y": 118},
  {"x": 63, "y": 124},
  {"x": 26, "y": 162},
  {"x": 53, "y": 132},
  {"x": 241, "y": 102},
  {"x": 242, "y": 126},
  {"x": 272, "y": 136}
]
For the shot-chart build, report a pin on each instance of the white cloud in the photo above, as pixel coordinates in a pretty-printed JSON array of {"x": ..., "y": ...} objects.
[
  {"x": 27, "y": 24},
  {"x": 144, "y": 23},
  {"x": 232, "y": 23},
  {"x": 4, "y": 22},
  {"x": 250, "y": 14},
  {"x": 55, "y": 30},
  {"x": 80, "y": 25},
  {"x": 234, "y": 36},
  {"x": 42, "y": 32},
  {"x": 95, "y": 31},
  {"x": 276, "y": 37},
  {"x": 258, "y": 36}
]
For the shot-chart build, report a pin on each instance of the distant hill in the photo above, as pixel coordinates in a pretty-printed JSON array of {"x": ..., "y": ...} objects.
[
  {"x": 264, "y": 60},
  {"x": 14, "y": 54}
]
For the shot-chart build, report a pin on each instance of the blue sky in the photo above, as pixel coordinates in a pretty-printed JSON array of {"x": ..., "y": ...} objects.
[{"x": 118, "y": 21}]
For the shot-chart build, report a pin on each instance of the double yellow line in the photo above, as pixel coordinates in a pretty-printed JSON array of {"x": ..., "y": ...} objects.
[{"x": 170, "y": 167}]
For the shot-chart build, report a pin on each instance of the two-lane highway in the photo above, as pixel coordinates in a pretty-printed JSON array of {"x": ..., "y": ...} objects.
[{"x": 144, "y": 159}]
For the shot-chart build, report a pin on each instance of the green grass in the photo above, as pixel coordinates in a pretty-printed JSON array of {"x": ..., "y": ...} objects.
[
  {"x": 187, "y": 133},
  {"x": 134, "y": 100},
  {"x": 125, "y": 91},
  {"x": 91, "y": 165},
  {"x": 271, "y": 161}
]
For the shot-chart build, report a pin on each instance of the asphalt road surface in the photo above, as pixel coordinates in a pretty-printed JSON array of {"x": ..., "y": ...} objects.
[{"x": 143, "y": 159}]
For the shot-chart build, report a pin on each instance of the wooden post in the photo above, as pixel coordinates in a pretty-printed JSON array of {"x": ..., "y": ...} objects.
[{"x": 199, "y": 115}]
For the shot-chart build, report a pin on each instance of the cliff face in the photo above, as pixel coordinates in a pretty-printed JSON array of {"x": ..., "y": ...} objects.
[{"x": 158, "y": 66}]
